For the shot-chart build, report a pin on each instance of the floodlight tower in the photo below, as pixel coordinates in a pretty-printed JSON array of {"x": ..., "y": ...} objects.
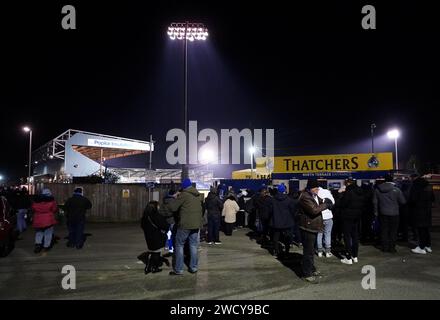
[{"x": 186, "y": 31}]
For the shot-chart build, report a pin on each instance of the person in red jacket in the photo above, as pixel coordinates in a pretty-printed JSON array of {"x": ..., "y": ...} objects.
[{"x": 44, "y": 220}]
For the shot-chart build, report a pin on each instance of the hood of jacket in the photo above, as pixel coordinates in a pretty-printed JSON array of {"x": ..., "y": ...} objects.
[
  {"x": 356, "y": 189},
  {"x": 385, "y": 187},
  {"x": 280, "y": 196},
  {"x": 420, "y": 183},
  {"x": 193, "y": 191}
]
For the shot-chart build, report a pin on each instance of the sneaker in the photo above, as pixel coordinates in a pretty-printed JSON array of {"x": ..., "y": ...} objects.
[
  {"x": 355, "y": 260},
  {"x": 317, "y": 274},
  {"x": 174, "y": 273},
  {"x": 311, "y": 279},
  {"x": 418, "y": 250},
  {"x": 218, "y": 242},
  {"x": 347, "y": 261},
  {"x": 211, "y": 242},
  {"x": 428, "y": 249},
  {"x": 320, "y": 255},
  {"x": 192, "y": 271},
  {"x": 328, "y": 255},
  {"x": 38, "y": 248}
]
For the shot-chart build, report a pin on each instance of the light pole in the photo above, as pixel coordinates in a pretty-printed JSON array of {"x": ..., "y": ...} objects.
[
  {"x": 186, "y": 31},
  {"x": 27, "y": 129},
  {"x": 394, "y": 134},
  {"x": 252, "y": 151}
]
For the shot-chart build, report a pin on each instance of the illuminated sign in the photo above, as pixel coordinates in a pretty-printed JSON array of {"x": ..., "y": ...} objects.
[
  {"x": 129, "y": 145},
  {"x": 334, "y": 163}
]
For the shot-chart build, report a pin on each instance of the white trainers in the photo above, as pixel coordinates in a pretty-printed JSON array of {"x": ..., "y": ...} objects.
[
  {"x": 211, "y": 242},
  {"x": 355, "y": 260},
  {"x": 418, "y": 250},
  {"x": 320, "y": 254},
  {"x": 347, "y": 261},
  {"x": 428, "y": 249},
  {"x": 328, "y": 255}
]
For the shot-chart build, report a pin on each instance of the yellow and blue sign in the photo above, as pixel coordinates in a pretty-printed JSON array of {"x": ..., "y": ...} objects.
[{"x": 334, "y": 163}]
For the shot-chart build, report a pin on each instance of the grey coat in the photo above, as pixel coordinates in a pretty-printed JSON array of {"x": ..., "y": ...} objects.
[{"x": 387, "y": 198}]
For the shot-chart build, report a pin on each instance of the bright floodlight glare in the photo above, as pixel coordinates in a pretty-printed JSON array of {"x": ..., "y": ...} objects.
[
  {"x": 252, "y": 150},
  {"x": 1, "y": 177},
  {"x": 393, "y": 134},
  {"x": 194, "y": 31},
  {"x": 207, "y": 155},
  {"x": 26, "y": 129}
]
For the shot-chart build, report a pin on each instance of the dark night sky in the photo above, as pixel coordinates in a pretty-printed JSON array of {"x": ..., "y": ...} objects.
[{"x": 309, "y": 71}]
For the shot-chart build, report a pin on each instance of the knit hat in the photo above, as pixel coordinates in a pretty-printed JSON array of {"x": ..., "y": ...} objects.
[
  {"x": 186, "y": 183},
  {"x": 281, "y": 188},
  {"x": 46, "y": 192},
  {"x": 312, "y": 183}
]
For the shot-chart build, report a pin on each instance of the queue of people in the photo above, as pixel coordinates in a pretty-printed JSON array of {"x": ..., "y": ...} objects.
[{"x": 41, "y": 211}]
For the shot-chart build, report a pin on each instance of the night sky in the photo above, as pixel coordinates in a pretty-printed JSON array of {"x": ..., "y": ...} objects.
[{"x": 309, "y": 71}]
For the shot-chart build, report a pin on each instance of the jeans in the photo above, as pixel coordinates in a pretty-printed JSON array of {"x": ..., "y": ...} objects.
[
  {"x": 47, "y": 234},
  {"x": 309, "y": 239},
  {"x": 76, "y": 234},
  {"x": 328, "y": 225},
  {"x": 351, "y": 237},
  {"x": 181, "y": 236},
  {"x": 389, "y": 226},
  {"x": 425, "y": 238},
  {"x": 228, "y": 228},
  {"x": 21, "y": 221},
  {"x": 214, "y": 221}
]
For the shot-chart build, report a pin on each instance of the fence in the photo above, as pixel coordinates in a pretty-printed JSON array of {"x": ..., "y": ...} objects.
[{"x": 110, "y": 202}]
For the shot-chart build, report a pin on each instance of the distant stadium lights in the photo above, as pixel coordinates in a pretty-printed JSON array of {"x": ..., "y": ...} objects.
[{"x": 194, "y": 31}]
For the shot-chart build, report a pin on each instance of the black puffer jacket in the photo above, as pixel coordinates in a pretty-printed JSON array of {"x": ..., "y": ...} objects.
[
  {"x": 353, "y": 202},
  {"x": 213, "y": 204},
  {"x": 283, "y": 212},
  {"x": 387, "y": 199},
  {"x": 263, "y": 206},
  {"x": 421, "y": 198}
]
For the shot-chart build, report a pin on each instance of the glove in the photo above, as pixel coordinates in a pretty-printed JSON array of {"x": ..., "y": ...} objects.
[{"x": 329, "y": 203}]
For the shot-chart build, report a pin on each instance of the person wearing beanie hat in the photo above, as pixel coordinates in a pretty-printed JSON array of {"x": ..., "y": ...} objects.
[
  {"x": 76, "y": 208},
  {"x": 189, "y": 209},
  {"x": 281, "y": 188},
  {"x": 310, "y": 220},
  {"x": 44, "y": 209},
  {"x": 186, "y": 183},
  {"x": 282, "y": 220}
]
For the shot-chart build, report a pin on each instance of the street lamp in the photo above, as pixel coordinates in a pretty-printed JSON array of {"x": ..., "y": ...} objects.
[
  {"x": 394, "y": 134},
  {"x": 252, "y": 150},
  {"x": 27, "y": 129},
  {"x": 186, "y": 31}
]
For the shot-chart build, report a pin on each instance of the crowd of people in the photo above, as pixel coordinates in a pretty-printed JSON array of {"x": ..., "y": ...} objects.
[
  {"x": 314, "y": 219},
  {"x": 41, "y": 212}
]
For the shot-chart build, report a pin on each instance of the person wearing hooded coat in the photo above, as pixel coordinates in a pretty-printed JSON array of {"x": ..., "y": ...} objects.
[
  {"x": 44, "y": 208},
  {"x": 155, "y": 227},
  {"x": 352, "y": 205},
  {"x": 387, "y": 199},
  {"x": 421, "y": 198},
  {"x": 214, "y": 207},
  {"x": 190, "y": 206},
  {"x": 282, "y": 219}
]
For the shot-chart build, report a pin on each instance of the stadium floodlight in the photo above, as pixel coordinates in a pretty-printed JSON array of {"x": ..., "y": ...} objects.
[
  {"x": 186, "y": 31},
  {"x": 394, "y": 134},
  {"x": 190, "y": 31}
]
